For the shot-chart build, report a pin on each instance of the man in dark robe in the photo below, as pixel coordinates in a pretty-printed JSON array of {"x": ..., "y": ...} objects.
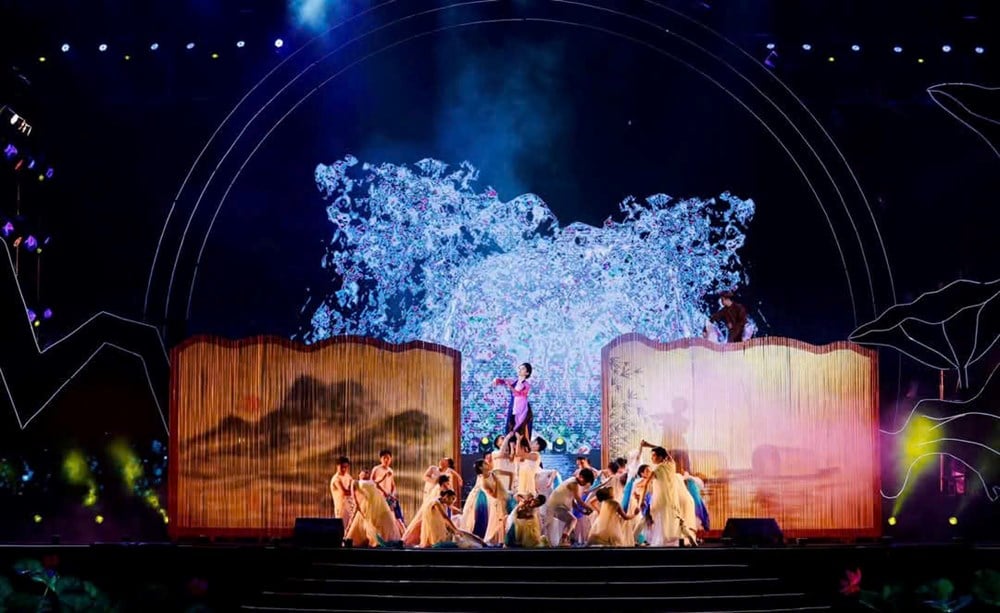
[{"x": 734, "y": 315}]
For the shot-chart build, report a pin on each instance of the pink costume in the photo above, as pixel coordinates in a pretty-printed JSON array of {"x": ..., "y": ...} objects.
[{"x": 519, "y": 416}]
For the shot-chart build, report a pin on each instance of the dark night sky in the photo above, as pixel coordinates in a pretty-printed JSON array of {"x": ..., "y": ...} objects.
[{"x": 575, "y": 116}]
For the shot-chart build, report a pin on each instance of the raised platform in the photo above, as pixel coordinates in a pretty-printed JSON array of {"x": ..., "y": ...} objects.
[{"x": 713, "y": 578}]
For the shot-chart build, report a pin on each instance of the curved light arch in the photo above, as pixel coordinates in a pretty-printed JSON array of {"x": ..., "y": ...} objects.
[
  {"x": 833, "y": 143},
  {"x": 819, "y": 157}
]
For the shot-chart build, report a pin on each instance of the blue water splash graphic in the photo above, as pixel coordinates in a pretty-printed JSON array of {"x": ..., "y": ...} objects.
[{"x": 417, "y": 253}]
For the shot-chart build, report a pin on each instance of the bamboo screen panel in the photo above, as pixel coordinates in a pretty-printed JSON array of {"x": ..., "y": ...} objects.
[
  {"x": 776, "y": 427},
  {"x": 257, "y": 426}
]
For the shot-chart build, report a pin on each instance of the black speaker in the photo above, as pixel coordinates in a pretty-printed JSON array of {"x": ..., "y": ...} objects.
[
  {"x": 753, "y": 531},
  {"x": 319, "y": 532}
]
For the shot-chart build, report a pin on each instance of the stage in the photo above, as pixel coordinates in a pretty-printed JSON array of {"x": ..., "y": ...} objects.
[{"x": 715, "y": 577}]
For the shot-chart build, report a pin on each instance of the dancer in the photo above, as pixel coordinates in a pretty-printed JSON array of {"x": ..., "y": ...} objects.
[
  {"x": 436, "y": 527},
  {"x": 560, "y": 506},
  {"x": 528, "y": 460},
  {"x": 385, "y": 481},
  {"x": 609, "y": 530},
  {"x": 669, "y": 522},
  {"x": 412, "y": 534},
  {"x": 476, "y": 512},
  {"x": 734, "y": 315},
  {"x": 445, "y": 466},
  {"x": 503, "y": 461},
  {"x": 526, "y": 527},
  {"x": 637, "y": 501},
  {"x": 341, "y": 488},
  {"x": 519, "y": 415},
  {"x": 373, "y": 519}
]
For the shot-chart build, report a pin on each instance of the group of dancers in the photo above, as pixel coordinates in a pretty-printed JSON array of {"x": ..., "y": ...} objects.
[{"x": 516, "y": 502}]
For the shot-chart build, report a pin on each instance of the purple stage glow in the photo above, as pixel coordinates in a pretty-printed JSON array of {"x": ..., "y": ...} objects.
[{"x": 417, "y": 253}]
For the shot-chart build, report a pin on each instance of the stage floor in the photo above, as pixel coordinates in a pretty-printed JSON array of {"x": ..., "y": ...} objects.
[{"x": 281, "y": 576}]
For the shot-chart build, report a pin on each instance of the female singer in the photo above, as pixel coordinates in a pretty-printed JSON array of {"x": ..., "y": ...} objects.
[{"x": 519, "y": 416}]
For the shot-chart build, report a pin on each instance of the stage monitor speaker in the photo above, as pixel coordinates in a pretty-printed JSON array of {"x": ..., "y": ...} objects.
[
  {"x": 319, "y": 532},
  {"x": 753, "y": 531}
]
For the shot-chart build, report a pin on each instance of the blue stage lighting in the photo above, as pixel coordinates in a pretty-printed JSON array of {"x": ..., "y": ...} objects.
[
  {"x": 946, "y": 48},
  {"x": 279, "y": 43},
  {"x": 189, "y": 46},
  {"x": 154, "y": 46},
  {"x": 979, "y": 50},
  {"x": 855, "y": 47},
  {"x": 770, "y": 46},
  {"x": 102, "y": 47},
  {"x": 64, "y": 48},
  {"x": 240, "y": 44},
  {"x": 807, "y": 47},
  {"x": 897, "y": 49}
]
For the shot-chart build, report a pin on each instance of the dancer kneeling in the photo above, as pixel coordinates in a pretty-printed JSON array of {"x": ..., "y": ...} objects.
[
  {"x": 525, "y": 527},
  {"x": 437, "y": 529},
  {"x": 609, "y": 530}
]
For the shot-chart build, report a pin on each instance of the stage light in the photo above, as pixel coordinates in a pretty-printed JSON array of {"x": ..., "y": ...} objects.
[
  {"x": 48, "y": 173},
  {"x": 32, "y": 316},
  {"x": 8, "y": 229},
  {"x": 892, "y": 520},
  {"x": 102, "y": 47},
  {"x": 946, "y": 48},
  {"x": 189, "y": 46},
  {"x": 215, "y": 56},
  {"x": 559, "y": 445},
  {"x": 279, "y": 43},
  {"x": 953, "y": 521},
  {"x": 37, "y": 518},
  {"x": 99, "y": 519},
  {"x": 42, "y": 59},
  {"x": 31, "y": 243},
  {"x": 770, "y": 46},
  {"x": 10, "y": 150},
  {"x": 831, "y": 59},
  {"x": 979, "y": 50},
  {"x": 920, "y": 60},
  {"x": 240, "y": 44},
  {"x": 855, "y": 47},
  {"x": 154, "y": 46},
  {"x": 31, "y": 164},
  {"x": 128, "y": 57},
  {"x": 897, "y": 49},
  {"x": 64, "y": 48},
  {"x": 38, "y": 323},
  {"x": 807, "y": 47}
]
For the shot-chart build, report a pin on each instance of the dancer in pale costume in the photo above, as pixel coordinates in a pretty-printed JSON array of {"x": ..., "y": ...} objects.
[
  {"x": 385, "y": 481},
  {"x": 412, "y": 534},
  {"x": 341, "y": 488},
  {"x": 373, "y": 519},
  {"x": 528, "y": 459},
  {"x": 671, "y": 508},
  {"x": 559, "y": 508},
  {"x": 438, "y": 530},
  {"x": 609, "y": 529},
  {"x": 476, "y": 512},
  {"x": 445, "y": 466},
  {"x": 525, "y": 526},
  {"x": 519, "y": 416},
  {"x": 502, "y": 461}
]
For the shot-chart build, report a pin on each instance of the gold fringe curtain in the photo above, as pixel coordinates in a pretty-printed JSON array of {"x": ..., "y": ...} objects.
[
  {"x": 776, "y": 427},
  {"x": 257, "y": 426}
]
